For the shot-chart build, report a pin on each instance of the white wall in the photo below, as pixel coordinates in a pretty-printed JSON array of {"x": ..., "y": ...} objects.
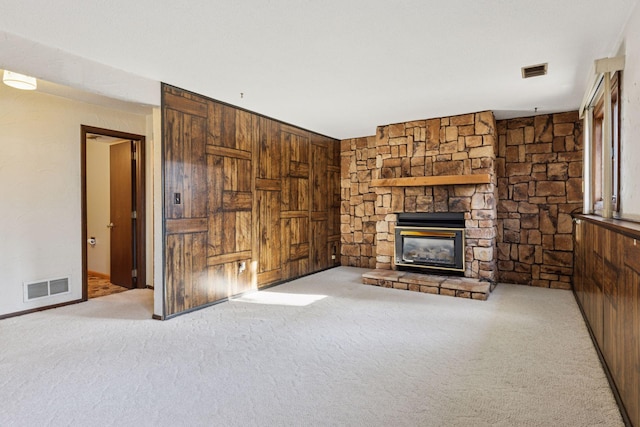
[
  {"x": 630, "y": 138},
  {"x": 98, "y": 206},
  {"x": 40, "y": 219}
]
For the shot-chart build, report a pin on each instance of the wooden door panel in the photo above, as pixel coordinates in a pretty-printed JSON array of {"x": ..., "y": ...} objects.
[
  {"x": 186, "y": 271},
  {"x": 185, "y": 166},
  {"x": 268, "y": 206},
  {"x": 173, "y": 163},
  {"x": 268, "y": 151},
  {"x": 319, "y": 187},
  {"x": 295, "y": 245},
  {"x": 295, "y": 213},
  {"x": 228, "y": 281},
  {"x": 333, "y": 225},
  {"x": 185, "y": 103},
  {"x": 121, "y": 207},
  {"x": 295, "y": 194},
  {"x": 244, "y": 131}
]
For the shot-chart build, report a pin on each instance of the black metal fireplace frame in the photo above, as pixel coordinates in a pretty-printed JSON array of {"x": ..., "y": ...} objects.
[{"x": 446, "y": 225}]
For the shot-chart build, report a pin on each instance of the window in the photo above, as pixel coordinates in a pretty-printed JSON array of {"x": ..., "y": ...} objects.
[{"x": 598, "y": 176}]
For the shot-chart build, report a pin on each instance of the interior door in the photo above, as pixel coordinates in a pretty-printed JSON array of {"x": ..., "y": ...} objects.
[{"x": 122, "y": 222}]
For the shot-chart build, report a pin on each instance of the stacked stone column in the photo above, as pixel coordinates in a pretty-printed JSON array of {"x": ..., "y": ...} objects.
[
  {"x": 540, "y": 186},
  {"x": 358, "y": 218}
]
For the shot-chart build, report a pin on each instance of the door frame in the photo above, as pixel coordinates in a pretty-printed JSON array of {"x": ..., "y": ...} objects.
[{"x": 139, "y": 173}]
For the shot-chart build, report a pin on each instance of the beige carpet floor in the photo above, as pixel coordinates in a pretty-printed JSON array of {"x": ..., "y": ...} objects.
[{"x": 323, "y": 350}]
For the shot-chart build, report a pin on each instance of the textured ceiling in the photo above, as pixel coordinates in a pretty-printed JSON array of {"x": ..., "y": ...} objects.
[{"x": 342, "y": 67}]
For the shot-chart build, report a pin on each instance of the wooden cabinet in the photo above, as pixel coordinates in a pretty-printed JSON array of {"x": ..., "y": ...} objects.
[
  {"x": 248, "y": 201},
  {"x": 607, "y": 287}
]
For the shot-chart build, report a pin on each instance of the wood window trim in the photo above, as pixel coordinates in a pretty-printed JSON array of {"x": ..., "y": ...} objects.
[{"x": 597, "y": 148}]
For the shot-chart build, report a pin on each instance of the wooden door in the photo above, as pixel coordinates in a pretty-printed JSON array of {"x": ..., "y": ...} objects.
[
  {"x": 319, "y": 204},
  {"x": 268, "y": 196},
  {"x": 122, "y": 223},
  {"x": 229, "y": 181},
  {"x": 294, "y": 207},
  {"x": 186, "y": 278}
]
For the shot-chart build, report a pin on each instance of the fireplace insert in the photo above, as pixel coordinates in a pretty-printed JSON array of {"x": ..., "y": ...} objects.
[{"x": 430, "y": 241}]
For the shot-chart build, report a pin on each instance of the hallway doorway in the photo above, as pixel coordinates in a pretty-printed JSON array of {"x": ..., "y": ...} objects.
[{"x": 113, "y": 217}]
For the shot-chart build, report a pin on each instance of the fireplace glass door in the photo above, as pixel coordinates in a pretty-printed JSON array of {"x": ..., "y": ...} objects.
[{"x": 424, "y": 247}]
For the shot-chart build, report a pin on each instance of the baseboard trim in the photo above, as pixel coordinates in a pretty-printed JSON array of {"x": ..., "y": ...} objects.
[
  {"x": 100, "y": 275},
  {"x": 35, "y": 310},
  {"x": 605, "y": 367}
]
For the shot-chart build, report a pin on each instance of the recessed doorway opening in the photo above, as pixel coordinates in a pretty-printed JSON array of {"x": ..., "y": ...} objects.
[{"x": 113, "y": 211}]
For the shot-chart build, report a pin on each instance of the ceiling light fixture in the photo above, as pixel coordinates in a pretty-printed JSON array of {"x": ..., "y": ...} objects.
[{"x": 19, "y": 81}]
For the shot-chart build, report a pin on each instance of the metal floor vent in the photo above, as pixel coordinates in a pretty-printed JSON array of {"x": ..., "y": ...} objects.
[{"x": 45, "y": 288}]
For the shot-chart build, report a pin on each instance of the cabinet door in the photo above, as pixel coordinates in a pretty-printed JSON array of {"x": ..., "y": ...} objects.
[
  {"x": 593, "y": 278},
  {"x": 613, "y": 269},
  {"x": 628, "y": 329},
  {"x": 579, "y": 260}
]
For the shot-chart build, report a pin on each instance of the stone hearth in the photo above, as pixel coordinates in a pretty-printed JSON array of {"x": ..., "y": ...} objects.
[{"x": 443, "y": 285}]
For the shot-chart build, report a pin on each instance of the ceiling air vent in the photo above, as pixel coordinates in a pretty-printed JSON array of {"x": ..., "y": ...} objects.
[{"x": 534, "y": 70}]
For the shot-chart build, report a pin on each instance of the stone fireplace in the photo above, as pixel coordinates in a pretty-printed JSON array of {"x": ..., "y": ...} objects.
[
  {"x": 443, "y": 165},
  {"x": 517, "y": 183}
]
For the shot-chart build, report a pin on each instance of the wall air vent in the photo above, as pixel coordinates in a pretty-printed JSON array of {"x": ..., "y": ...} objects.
[
  {"x": 45, "y": 288},
  {"x": 534, "y": 70}
]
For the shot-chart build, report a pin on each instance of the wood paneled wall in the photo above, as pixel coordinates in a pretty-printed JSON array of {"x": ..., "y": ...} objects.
[
  {"x": 607, "y": 287},
  {"x": 242, "y": 188}
]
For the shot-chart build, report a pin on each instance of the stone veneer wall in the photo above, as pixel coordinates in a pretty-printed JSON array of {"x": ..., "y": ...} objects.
[
  {"x": 458, "y": 145},
  {"x": 540, "y": 184}
]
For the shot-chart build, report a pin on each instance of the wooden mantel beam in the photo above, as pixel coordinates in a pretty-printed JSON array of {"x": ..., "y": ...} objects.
[{"x": 426, "y": 181}]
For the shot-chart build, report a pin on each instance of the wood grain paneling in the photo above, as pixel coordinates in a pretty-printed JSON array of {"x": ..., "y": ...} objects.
[
  {"x": 253, "y": 192},
  {"x": 607, "y": 287},
  {"x": 333, "y": 223},
  {"x": 186, "y": 270},
  {"x": 227, "y": 258},
  {"x": 228, "y": 152},
  {"x": 268, "y": 211},
  {"x": 186, "y": 106},
  {"x": 189, "y": 225},
  {"x": 294, "y": 208},
  {"x": 237, "y": 201}
]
